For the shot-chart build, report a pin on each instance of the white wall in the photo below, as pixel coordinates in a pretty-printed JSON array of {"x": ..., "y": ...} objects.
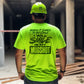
[{"x": 1, "y": 34}]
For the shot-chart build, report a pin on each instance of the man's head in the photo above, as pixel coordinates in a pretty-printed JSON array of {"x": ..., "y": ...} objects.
[{"x": 38, "y": 12}]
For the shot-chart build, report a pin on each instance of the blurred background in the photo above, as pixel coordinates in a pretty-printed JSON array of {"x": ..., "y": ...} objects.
[{"x": 67, "y": 15}]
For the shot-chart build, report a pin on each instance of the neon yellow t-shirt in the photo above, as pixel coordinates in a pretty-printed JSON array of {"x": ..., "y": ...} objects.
[{"x": 40, "y": 41}]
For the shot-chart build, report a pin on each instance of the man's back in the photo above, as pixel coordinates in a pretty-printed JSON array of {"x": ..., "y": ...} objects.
[{"x": 40, "y": 40}]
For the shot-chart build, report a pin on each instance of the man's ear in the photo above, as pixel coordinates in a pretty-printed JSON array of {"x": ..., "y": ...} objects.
[
  {"x": 45, "y": 17},
  {"x": 33, "y": 18}
]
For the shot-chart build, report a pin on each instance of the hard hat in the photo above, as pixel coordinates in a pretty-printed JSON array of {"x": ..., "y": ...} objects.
[{"x": 38, "y": 7}]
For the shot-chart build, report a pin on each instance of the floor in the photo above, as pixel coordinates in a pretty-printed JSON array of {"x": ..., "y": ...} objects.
[{"x": 9, "y": 70}]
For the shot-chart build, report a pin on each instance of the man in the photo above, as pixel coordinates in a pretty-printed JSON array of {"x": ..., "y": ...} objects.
[{"x": 40, "y": 41}]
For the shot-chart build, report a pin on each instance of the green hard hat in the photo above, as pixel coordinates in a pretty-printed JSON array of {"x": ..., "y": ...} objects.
[{"x": 38, "y": 7}]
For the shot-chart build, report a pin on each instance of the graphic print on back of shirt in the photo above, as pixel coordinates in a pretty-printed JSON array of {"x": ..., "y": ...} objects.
[{"x": 40, "y": 41}]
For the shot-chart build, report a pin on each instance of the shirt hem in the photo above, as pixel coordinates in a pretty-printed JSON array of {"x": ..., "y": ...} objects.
[
  {"x": 62, "y": 47},
  {"x": 36, "y": 80}
]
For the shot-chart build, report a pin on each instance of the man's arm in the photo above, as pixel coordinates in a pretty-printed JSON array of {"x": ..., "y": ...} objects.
[
  {"x": 18, "y": 58},
  {"x": 62, "y": 53}
]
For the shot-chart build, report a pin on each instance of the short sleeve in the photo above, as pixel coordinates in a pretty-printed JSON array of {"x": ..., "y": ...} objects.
[
  {"x": 19, "y": 43},
  {"x": 60, "y": 41}
]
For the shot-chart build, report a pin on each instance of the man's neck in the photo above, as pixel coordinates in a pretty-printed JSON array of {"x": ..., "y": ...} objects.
[{"x": 39, "y": 21}]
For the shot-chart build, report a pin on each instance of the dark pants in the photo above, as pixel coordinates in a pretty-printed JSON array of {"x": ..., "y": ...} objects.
[{"x": 26, "y": 81}]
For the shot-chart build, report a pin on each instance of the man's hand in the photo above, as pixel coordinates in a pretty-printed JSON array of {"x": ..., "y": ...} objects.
[
  {"x": 60, "y": 75},
  {"x": 18, "y": 58},
  {"x": 62, "y": 55},
  {"x": 21, "y": 76}
]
